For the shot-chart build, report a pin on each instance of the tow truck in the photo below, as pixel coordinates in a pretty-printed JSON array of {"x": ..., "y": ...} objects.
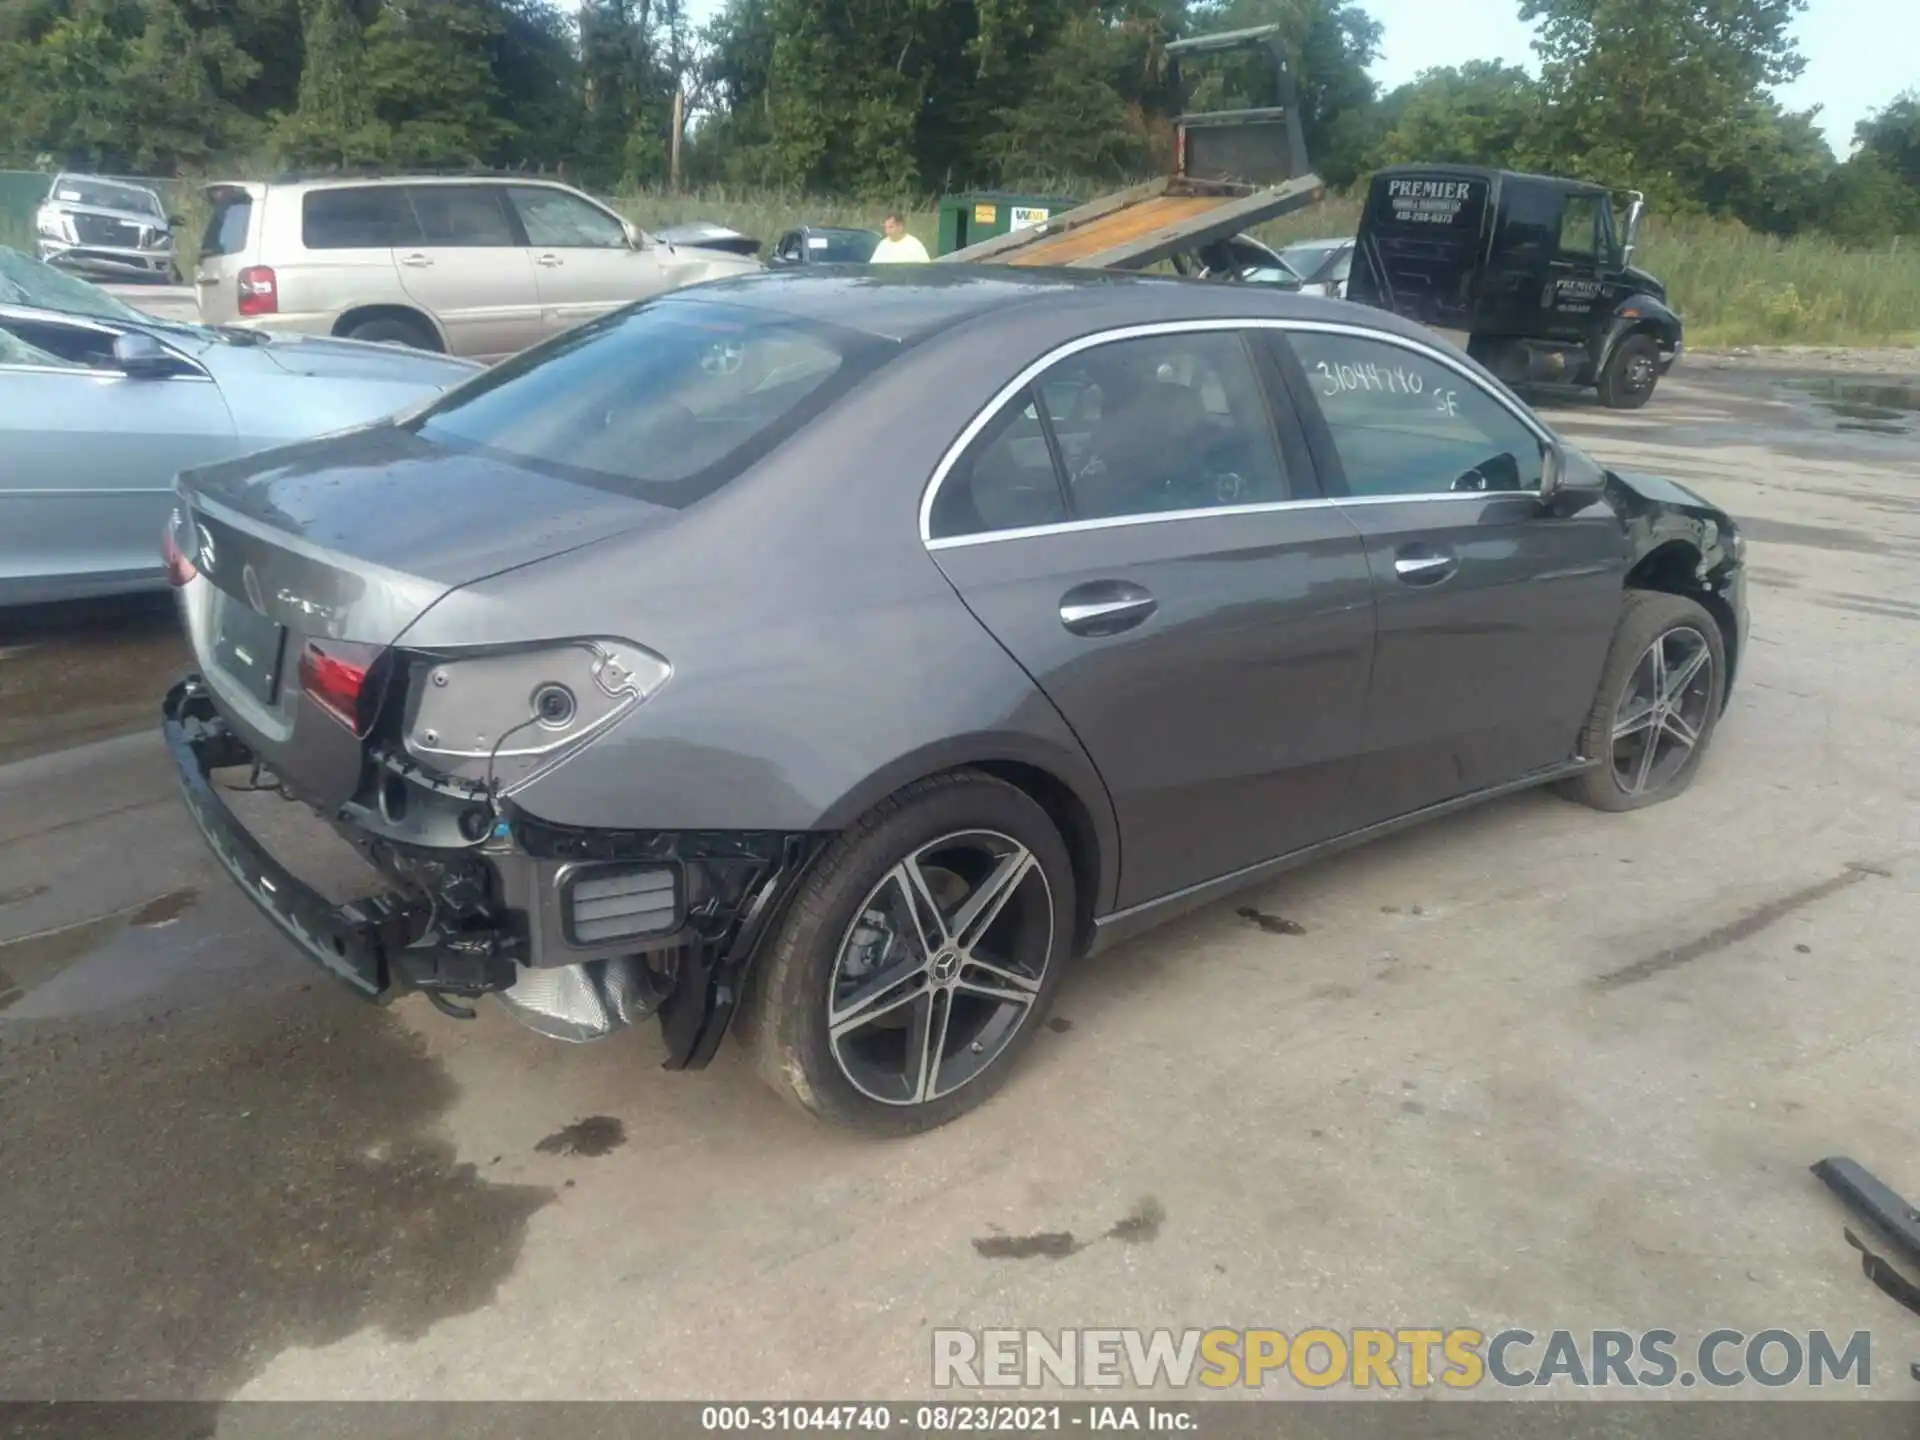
[{"x": 1232, "y": 170}]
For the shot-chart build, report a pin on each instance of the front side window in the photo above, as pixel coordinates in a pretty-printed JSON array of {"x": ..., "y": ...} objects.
[
  {"x": 464, "y": 216},
  {"x": 665, "y": 402},
  {"x": 375, "y": 217},
  {"x": 1405, "y": 424},
  {"x": 1580, "y": 228},
  {"x": 553, "y": 217}
]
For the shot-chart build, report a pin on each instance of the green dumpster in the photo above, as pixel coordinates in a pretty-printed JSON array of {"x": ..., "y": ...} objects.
[{"x": 968, "y": 219}]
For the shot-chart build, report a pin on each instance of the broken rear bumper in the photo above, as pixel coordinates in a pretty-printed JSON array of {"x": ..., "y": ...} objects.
[
  {"x": 499, "y": 915},
  {"x": 370, "y": 945}
]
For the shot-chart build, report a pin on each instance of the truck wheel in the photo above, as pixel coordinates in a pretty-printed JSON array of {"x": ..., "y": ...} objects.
[
  {"x": 1632, "y": 370},
  {"x": 1658, "y": 701},
  {"x": 918, "y": 959}
]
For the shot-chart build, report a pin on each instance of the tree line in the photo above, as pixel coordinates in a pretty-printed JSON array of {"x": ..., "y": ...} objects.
[{"x": 889, "y": 99}]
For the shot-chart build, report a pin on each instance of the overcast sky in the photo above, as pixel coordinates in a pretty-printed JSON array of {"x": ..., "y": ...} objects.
[{"x": 1855, "y": 62}]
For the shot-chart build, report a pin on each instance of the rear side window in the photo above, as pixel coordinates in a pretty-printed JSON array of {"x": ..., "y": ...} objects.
[
  {"x": 372, "y": 218},
  {"x": 665, "y": 402},
  {"x": 1167, "y": 422},
  {"x": 228, "y": 221},
  {"x": 463, "y": 215},
  {"x": 1005, "y": 481},
  {"x": 1529, "y": 219}
]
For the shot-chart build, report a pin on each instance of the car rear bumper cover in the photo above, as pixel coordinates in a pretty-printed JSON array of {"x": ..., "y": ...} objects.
[{"x": 477, "y": 919}]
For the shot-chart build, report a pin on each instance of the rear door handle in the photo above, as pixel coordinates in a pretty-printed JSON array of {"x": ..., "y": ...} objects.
[
  {"x": 1423, "y": 565},
  {"x": 417, "y": 261},
  {"x": 549, "y": 261},
  {"x": 1105, "y": 607}
]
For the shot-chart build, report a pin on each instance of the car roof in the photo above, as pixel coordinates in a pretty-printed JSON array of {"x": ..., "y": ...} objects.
[
  {"x": 909, "y": 303},
  {"x": 335, "y": 182},
  {"x": 1488, "y": 172}
]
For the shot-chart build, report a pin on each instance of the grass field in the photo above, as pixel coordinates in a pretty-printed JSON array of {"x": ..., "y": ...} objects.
[{"x": 1733, "y": 287}]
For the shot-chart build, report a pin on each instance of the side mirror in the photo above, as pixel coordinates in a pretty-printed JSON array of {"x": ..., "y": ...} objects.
[
  {"x": 1635, "y": 209},
  {"x": 1570, "y": 479},
  {"x": 139, "y": 356},
  {"x": 636, "y": 237},
  {"x": 174, "y": 222}
]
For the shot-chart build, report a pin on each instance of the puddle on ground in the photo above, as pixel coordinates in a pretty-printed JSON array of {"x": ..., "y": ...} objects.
[
  {"x": 34, "y": 959},
  {"x": 1876, "y": 407}
]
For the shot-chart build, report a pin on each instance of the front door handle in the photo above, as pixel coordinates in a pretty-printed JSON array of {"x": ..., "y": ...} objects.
[
  {"x": 1105, "y": 607},
  {"x": 1424, "y": 565},
  {"x": 549, "y": 261},
  {"x": 417, "y": 261}
]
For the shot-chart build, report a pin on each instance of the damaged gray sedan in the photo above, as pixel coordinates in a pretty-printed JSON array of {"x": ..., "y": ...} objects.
[{"x": 835, "y": 656}]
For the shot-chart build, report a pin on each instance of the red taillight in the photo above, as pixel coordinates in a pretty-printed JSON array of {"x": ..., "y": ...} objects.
[
  {"x": 259, "y": 291},
  {"x": 338, "y": 676},
  {"x": 179, "y": 568}
]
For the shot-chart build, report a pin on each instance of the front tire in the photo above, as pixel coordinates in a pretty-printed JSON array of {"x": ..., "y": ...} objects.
[
  {"x": 918, "y": 959},
  {"x": 1632, "y": 371},
  {"x": 1658, "y": 703}
]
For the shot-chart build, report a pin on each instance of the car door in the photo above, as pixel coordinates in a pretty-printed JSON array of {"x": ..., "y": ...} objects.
[
  {"x": 584, "y": 262},
  {"x": 1495, "y": 612},
  {"x": 1575, "y": 273},
  {"x": 1138, "y": 527},
  {"x": 470, "y": 270},
  {"x": 90, "y": 456}
]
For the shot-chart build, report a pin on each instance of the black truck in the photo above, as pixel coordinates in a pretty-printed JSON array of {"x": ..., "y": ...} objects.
[{"x": 1530, "y": 273}]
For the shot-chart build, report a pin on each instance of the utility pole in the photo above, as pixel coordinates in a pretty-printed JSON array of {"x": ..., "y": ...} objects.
[{"x": 679, "y": 129}]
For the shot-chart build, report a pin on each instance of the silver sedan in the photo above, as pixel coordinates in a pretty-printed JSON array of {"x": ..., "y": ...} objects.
[{"x": 100, "y": 405}]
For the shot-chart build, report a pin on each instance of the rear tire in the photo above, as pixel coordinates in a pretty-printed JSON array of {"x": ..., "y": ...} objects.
[
  {"x": 393, "y": 330},
  {"x": 855, "y": 982},
  {"x": 1628, "y": 714},
  {"x": 1632, "y": 371}
]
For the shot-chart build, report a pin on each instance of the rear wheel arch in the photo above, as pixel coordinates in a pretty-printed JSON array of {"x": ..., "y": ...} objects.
[
  {"x": 1673, "y": 568},
  {"x": 417, "y": 320},
  {"x": 1078, "y": 806}
]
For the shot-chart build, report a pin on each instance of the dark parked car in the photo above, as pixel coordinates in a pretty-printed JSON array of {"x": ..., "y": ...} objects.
[
  {"x": 824, "y": 245},
  {"x": 1533, "y": 274},
  {"x": 852, "y": 650}
]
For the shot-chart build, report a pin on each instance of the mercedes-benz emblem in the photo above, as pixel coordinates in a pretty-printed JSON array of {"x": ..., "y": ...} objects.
[{"x": 945, "y": 966}]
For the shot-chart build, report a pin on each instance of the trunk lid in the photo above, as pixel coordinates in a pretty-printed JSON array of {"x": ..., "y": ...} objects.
[{"x": 351, "y": 539}]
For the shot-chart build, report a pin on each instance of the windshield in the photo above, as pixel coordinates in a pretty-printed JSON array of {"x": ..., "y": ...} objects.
[
  {"x": 1310, "y": 257},
  {"x": 106, "y": 195},
  {"x": 25, "y": 281},
  {"x": 841, "y": 247},
  {"x": 665, "y": 402}
]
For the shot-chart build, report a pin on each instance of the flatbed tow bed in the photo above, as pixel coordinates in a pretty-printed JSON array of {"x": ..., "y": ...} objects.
[{"x": 1232, "y": 170}]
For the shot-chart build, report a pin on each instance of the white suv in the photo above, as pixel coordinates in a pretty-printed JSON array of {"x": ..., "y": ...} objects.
[{"x": 474, "y": 267}]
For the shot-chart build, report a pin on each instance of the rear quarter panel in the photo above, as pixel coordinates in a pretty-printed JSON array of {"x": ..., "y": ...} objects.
[{"x": 821, "y": 660}]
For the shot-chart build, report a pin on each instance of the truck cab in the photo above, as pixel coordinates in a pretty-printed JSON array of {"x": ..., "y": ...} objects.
[{"x": 1531, "y": 274}]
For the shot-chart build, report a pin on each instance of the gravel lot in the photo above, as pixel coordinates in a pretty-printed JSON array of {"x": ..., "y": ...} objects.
[{"x": 1535, "y": 1065}]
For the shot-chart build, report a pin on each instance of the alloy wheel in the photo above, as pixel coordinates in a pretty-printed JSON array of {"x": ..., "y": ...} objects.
[
  {"x": 1662, "y": 711},
  {"x": 941, "y": 967}
]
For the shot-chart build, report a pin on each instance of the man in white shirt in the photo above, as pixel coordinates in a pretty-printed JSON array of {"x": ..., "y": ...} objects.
[{"x": 899, "y": 248}]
